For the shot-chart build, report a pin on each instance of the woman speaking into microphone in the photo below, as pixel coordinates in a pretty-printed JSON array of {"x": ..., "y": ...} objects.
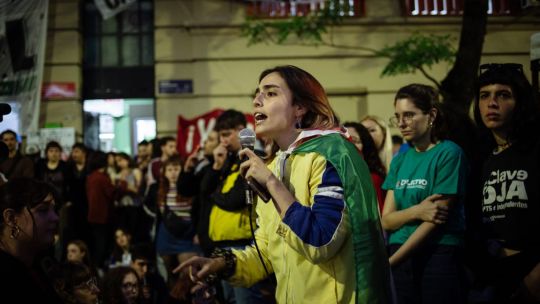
[{"x": 320, "y": 233}]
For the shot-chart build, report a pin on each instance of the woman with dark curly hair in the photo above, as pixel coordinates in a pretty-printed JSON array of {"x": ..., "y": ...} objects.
[{"x": 121, "y": 285}]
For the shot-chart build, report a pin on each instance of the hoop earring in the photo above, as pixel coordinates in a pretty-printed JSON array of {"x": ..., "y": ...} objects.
[{"x": 15, "y": 231}]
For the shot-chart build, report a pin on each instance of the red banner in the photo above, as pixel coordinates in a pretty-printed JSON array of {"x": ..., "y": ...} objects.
[
  {"x": 192, "y": 131},
  {"x": 58, "y": 90}
]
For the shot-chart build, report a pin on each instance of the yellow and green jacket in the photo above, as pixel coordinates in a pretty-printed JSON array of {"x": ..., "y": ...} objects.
[{"x": 328, "y": 248}]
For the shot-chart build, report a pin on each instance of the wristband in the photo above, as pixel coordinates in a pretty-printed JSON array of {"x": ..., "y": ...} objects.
[{"x": 230, "y": 262}]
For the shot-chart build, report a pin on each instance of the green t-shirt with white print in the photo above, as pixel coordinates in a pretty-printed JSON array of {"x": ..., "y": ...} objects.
[{"x": 416, "y": 175}]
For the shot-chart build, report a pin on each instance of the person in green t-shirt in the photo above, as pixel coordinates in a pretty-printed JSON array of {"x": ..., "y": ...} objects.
[{"x": 423, "y": 209}]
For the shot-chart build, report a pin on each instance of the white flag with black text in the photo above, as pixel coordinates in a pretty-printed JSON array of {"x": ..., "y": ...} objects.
[
  {"x": 23, "y": 33},
  {"x": 110, "y": 8}
]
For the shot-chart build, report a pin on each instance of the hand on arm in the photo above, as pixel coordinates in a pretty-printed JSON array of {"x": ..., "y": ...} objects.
[
  {"x": 431, "y": 219},
  {"x": 431, "y": 209},
  {"x": 255, "y": 168}
]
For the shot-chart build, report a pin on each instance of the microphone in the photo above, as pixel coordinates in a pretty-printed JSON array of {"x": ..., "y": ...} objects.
[
  {"x": 247, "y": 140},
  {"x": 5, "y": 109}
]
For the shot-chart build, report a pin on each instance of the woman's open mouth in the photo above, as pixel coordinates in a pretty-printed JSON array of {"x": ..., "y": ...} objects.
[{"x": 259, "y": 118}]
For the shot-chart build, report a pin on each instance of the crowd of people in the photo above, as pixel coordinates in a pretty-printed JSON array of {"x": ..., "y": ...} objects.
[{"x": 356, "y": 215}]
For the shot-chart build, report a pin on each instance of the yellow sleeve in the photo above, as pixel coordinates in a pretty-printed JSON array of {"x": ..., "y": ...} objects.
[{"x": 249, "y": 268}]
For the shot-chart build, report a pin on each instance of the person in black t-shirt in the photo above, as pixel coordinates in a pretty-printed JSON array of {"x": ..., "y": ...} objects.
[{"x": 507, "y": 114}]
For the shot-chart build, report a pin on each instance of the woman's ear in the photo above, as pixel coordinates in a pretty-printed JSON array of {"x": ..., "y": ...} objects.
[
  {"x": 9, "y": 218},
  {"x": 299, "y": 111},
  {"x": 433, "y": 115}
]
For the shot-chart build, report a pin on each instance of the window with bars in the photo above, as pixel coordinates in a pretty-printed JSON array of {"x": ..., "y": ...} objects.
[
  {"x": 125, "y": 40},
  {"x": 118, "y": 52},
  {"x": 292, "y": 8},
  {"x": 455, "y": 7}
]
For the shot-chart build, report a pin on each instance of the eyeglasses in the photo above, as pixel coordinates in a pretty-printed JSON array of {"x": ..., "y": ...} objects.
[
  {"x": 407, "y": 117},
  {"x": 502, "y": 67},
  {"x": 91, "y": 283}
]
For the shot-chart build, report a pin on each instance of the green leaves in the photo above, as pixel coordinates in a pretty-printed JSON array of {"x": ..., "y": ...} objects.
[
  {"x": 417, "y": 52},
  {"x": 309, "y": 29}
]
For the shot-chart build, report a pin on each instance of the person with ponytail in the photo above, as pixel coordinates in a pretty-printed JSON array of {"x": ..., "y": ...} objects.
[{"x": 424, "y": 210}]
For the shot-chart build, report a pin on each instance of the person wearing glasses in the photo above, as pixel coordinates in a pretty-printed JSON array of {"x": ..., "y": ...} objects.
[
  {"x": 76, "y": 284},
  {"x": 121, "y": 285},
  {"x": 423, "y": 210},
  {"x": 507, "y": 115}
]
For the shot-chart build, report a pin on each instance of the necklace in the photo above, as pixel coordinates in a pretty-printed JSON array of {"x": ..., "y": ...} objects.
[{"x": 502, "y": 147}]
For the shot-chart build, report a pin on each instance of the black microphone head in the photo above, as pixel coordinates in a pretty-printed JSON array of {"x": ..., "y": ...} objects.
[
  {"x": 247, "y": 138},
  {"x": 5, "y": 109}
]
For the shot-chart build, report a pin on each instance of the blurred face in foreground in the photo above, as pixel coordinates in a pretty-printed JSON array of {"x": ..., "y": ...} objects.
[{"x": 38, "y": 225}]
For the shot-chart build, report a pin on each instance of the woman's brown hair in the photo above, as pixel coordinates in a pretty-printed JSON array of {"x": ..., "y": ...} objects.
[{"x": 308, "y": 93}]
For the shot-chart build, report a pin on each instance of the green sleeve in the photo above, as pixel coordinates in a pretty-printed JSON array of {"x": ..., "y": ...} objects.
[{"x": 451, "y": 173}]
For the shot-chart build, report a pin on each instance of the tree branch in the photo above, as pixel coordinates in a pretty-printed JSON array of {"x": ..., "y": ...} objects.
[
  {"x": 352, "y": 47},
  {"x": 437, "y": 84},
  {"x": 459, "y": 84}
]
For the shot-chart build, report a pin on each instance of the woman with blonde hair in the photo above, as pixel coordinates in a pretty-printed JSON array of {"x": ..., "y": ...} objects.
[{"x": 379, "y": 131}]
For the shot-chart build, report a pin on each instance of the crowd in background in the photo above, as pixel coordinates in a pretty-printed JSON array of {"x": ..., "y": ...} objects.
[{"x": 460, "y": 223}]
